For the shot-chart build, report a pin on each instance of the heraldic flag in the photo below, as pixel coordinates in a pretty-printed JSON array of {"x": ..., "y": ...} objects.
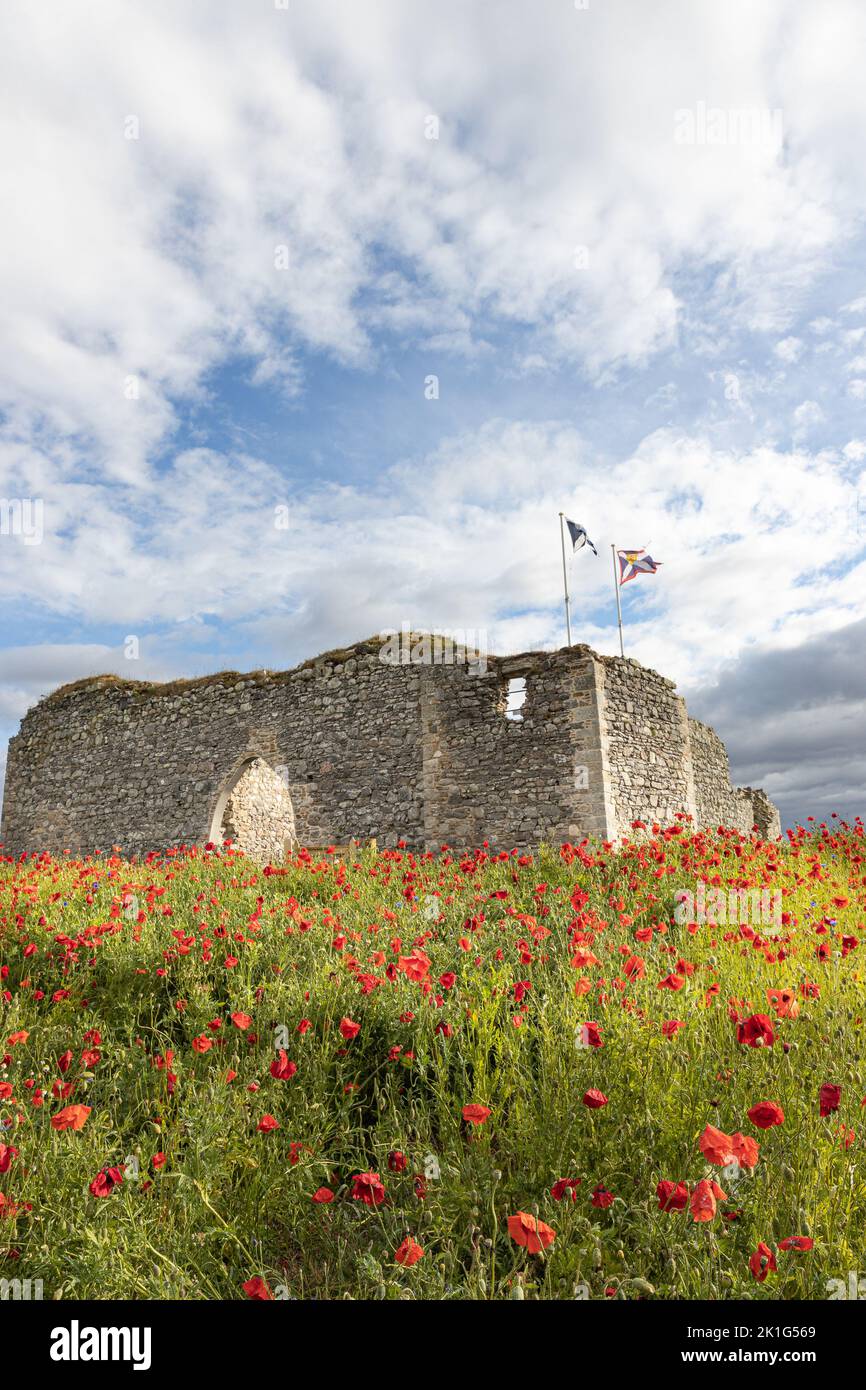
[{"x": 633, "y": 563}]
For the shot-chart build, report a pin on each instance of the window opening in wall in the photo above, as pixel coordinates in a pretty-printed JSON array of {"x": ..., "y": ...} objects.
[{"x": 515, "y": 698}]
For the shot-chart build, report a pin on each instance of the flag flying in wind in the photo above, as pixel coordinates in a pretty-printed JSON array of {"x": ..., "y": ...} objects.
[
  {"x": 579, "y": 538},
  {"x": 633, "y": 563}
]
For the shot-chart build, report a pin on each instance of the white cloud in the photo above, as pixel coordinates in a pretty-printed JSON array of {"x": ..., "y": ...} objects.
[
  {"x": 789, "y": 349},
  {"x": 260, "y": 129},
  {"x": 281, "y": 202},
  {"x": 806, "y": 416},
  {"x": 464, "y": 536}
]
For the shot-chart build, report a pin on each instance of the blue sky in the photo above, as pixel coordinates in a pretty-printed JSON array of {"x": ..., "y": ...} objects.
[{"x": 235, "y": 256}]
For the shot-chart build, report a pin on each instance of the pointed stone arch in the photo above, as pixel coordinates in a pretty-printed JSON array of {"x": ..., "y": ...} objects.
[{"x": 254, "y": 810}]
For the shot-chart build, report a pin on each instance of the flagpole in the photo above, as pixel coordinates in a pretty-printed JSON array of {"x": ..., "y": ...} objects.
[
  {"x": 618, "y": 605},
  {"x": 565, "y": 579}
]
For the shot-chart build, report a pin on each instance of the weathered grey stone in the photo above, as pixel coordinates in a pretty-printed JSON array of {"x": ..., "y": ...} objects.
[{"x": 350, "y": 747}]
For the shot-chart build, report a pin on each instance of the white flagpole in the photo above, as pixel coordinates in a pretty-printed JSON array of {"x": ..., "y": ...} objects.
[
  {"x": 565, "y": 579},
  {"x": 618, "y": 605}
]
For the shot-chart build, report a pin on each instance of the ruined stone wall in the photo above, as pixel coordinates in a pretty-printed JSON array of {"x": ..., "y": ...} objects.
[
  {"x": 647, "y": 742},
  {"x": 513, "y": 781},
  {"x": 719, "y": 803},
  {"x": 258, "y": 816},
  {"x": 348, "y": 746},
  {"x": 142, "y": 766},
  {"x": 761, "y": 812}
]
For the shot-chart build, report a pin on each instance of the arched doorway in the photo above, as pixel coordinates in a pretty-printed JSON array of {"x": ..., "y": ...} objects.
[{"x": 254, "y": 810}]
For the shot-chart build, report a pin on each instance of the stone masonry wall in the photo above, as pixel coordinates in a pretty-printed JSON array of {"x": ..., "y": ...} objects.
[
  {"x": 718, "y": 802},
  {"x": 514, "y": 781},
  {"x": 259, "y": 817},
  {"x": 109, "y": 762},
  {"x": 647, "y": 738},
  {"x": 348, "y": 746}
]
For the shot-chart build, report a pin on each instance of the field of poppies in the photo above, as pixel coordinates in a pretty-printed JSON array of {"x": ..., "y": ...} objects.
[{"x": 455, "y": 1076}]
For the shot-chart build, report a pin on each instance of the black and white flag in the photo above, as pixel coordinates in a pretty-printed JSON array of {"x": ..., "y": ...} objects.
[{"x": 579, "y": 538}]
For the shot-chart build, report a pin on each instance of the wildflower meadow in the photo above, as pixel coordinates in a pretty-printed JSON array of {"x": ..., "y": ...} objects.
[{"x": 455, "y": 1076}]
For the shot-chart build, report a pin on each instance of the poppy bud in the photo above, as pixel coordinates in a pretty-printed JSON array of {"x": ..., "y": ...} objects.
[{"x": 642, "y": 1286}]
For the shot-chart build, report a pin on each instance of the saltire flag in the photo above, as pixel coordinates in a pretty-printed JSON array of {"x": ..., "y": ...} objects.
[
  {"x": 579, "y": 538},
  {"x": 634, "y": 562}
]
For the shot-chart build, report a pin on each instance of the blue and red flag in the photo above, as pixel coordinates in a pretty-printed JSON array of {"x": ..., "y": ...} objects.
[{"x": 635, "y": 562}]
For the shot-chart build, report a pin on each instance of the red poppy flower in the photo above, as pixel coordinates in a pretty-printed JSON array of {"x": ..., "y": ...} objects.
[
  {"x": 766, "y": 1114},
  {"x": 349, "y": 1029},
  {"x": 563, "y": 1186},
  {"x": 7, "y": 1153},
  {"x": 673, "y": 1196},
  {"x": 282, "y": 1068},
  {"x": 762, "y": 1262},
  {"x": 784, "y": 1003},
  {"x": 475, "y": 1114},
  {"x": 202, "y": 1043},
  {"x": 830, "y": 1097},
  {"x": 745, "y": 1150},
  {"x": 416, "y": 966},
  {"x": 715, "y": 1146},
  {"x": 673, "y": 982},
  {"x": 322, "y": 1196},
  {"x": 397, "y": 1161},
  {"x": 408, "y": 1253},
  {"x": 257, "y": 1288},
  {"x": 368, "y": 1188},
  {"x": 105, "y": 1182},
  {"x": 267, "y": 1124},
  {"x": 241, "y": 1021},
  {"x": 529, "y": 1232},
  {"x": 796, "y": 1243},
  {"x": 756, "y": 1031},
  {"x": 73, "y": 1117},
  {"x": 703, "y": 1202},
  {"x": 602, "y": 1198},
  {"x": 594, "y": 1099}
]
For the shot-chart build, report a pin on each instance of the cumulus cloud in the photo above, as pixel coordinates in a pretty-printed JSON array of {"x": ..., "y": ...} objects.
[
  {"x": 216, "y": 197},
  {"x": 199, "y": 182}
]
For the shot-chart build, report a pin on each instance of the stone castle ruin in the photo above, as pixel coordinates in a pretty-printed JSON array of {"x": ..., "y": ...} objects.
[{"x": 362, "y": 744}]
